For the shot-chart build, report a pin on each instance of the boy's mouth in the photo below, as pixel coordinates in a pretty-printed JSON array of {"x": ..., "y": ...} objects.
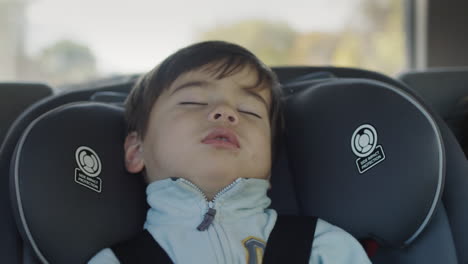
[{"x": 222, "y": 137}]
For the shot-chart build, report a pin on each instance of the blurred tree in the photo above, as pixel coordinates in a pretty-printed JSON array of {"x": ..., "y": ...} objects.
[
  {"x": 12, "y": 33},
  {"x": 66, "y": 61},
  {"x": 315, "y": 48},
  {"x": 270, "y": 41},
  {"x": 348, "y": 50},
  {"x": 373, "y": 39}
]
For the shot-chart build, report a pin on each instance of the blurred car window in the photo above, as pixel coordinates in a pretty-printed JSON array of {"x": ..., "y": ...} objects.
[{"x": 63, "y": 42}]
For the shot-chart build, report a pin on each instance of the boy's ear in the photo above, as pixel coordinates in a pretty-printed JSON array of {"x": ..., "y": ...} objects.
[{"x": 133, "y": 153}]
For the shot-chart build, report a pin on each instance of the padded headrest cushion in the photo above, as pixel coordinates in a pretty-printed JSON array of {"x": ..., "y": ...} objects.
[
  {"x": 365, "y": 156},
  {"x": 71, "y": 191}
]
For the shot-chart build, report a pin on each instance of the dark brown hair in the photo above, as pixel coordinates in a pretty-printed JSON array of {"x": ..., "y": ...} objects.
[{"x": 225, "y": 59}]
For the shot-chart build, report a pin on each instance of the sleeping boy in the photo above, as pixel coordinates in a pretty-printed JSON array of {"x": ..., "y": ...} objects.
[{"x": 201, "y": 128}]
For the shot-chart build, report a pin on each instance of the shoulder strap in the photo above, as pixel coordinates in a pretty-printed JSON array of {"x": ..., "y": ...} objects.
[
  {"x": 141, "y": 249},
  {"x": 290, "y": 240}
]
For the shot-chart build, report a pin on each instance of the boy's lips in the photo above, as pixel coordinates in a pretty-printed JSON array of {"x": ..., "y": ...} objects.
[{"x": 222, "y": 137}]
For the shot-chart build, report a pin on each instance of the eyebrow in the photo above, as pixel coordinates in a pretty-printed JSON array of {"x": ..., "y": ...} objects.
[{"x": 190, "y": 84}]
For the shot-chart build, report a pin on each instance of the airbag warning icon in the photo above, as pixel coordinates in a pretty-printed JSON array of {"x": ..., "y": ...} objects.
[
  {"x": 89, "y": 168},
  {"x": 364, "y": 145}
]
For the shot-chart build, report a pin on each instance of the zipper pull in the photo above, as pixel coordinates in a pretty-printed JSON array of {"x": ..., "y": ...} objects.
[{"x": 207, "y": 219}]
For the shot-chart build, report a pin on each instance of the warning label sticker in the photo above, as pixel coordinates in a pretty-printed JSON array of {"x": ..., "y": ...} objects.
[
  {"x": 93, "y": 183},
  {"x": 370, "y": 161},
  {"x": 89, "y": 168}
]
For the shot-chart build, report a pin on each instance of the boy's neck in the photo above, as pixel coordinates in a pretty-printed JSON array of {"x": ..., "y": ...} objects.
[{"x": 209, "y": 188}]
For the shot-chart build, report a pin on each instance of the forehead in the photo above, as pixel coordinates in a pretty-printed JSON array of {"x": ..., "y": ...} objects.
[{"x": 245, "y": 76}]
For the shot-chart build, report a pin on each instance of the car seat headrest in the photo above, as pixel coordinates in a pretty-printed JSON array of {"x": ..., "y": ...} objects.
[
  {"x": 365, "y": 156},
  {"x": 70, "y": 190},
  {"x": 117, "y": 98}
]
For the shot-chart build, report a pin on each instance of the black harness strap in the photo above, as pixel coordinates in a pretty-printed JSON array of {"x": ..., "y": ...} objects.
[
  {"x": 290, "y": 241},
  {"x": 141, "y": 249}
]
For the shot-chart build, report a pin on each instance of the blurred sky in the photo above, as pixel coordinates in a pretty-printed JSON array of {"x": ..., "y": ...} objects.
[{"x": 133, "y": 36}]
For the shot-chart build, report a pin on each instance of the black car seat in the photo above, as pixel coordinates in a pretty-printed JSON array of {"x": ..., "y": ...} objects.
[
  {"x": 297, "y": 73},
  {"x": 446, "y": 90},
  {"x": 393, "y": 195},
  {"x": 451, "y": 217},
  {"x": 378, "y": 194},
  {"x": 89, "y": 193},
  {"x": 12, "y": 249},
  {"x": 14, "y": 99},
  {"x": 297, "y": 77},
  {"x": 441, "y": 88}
]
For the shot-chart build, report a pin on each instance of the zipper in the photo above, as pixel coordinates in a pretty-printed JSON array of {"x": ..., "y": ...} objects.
[{"x": 209, "y": 216}]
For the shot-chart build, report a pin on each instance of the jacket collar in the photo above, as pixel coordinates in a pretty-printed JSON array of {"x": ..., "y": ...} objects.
[{"x": 180, "y": 201}]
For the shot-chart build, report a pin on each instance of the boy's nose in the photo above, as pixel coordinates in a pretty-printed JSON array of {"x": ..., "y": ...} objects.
[{"x": 223, "y": 114}]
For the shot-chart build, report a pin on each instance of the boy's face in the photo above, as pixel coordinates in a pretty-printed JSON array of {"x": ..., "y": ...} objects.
[{"x": 206, "y": 130}]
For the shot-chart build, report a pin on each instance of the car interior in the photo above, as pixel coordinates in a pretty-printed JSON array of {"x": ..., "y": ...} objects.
[
  {"x": 404, "y": 205},
  {"x": 383, "y": 157}
]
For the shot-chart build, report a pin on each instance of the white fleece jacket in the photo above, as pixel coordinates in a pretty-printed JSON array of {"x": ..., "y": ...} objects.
[{"x": 238, "y": 232}]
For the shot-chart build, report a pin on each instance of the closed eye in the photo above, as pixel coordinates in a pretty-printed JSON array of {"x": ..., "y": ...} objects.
[
  {"x": 250, "y": 113},
  {"x": 192, "y": 103}
]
